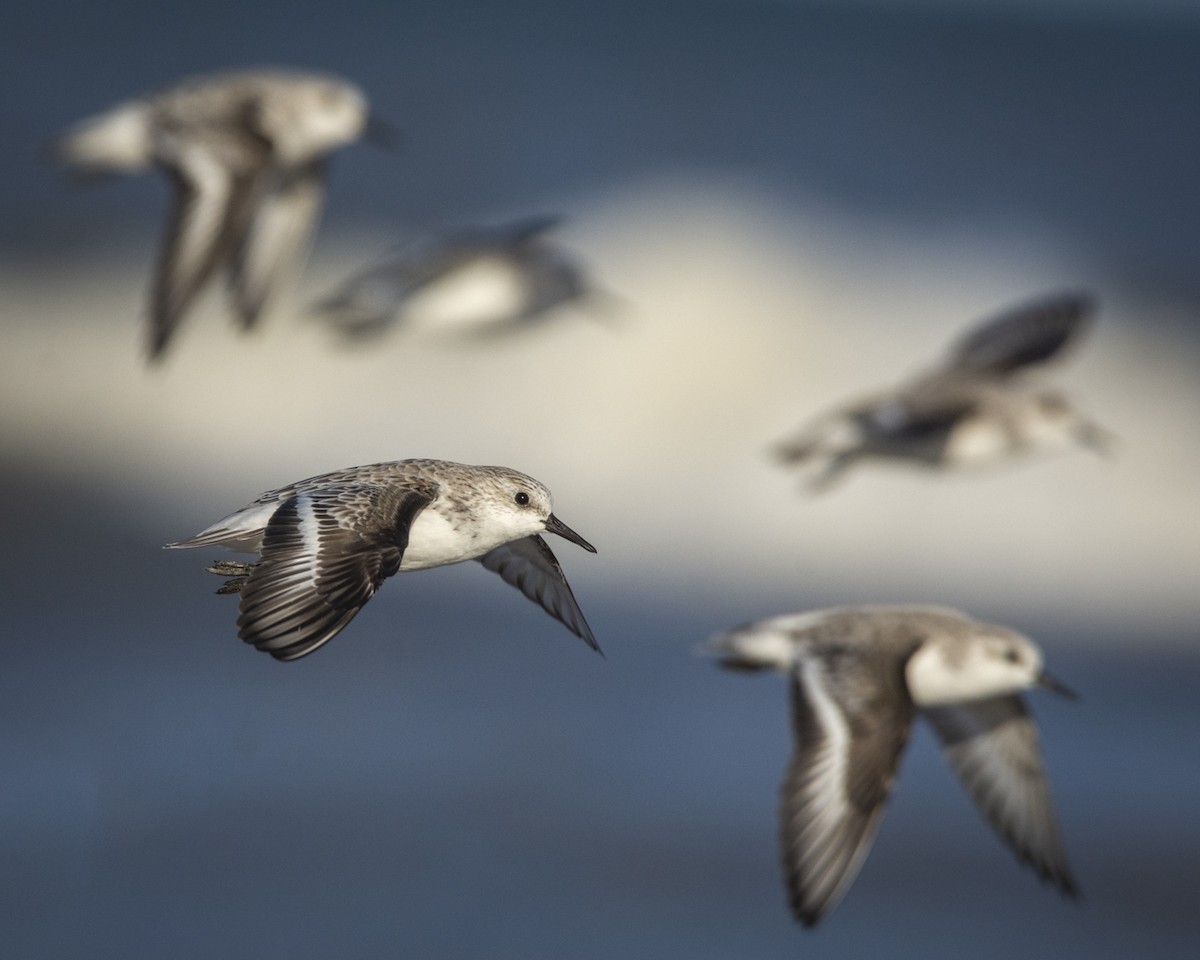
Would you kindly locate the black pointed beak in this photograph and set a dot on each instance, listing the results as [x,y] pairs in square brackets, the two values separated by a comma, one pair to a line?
[1047,681]
[382,133]
[554,525]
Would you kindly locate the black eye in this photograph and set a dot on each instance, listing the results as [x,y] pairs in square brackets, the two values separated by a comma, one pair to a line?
[1012,656]
[522,498]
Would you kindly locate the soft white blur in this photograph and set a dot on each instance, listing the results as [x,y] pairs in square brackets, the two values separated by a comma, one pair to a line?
[740,315]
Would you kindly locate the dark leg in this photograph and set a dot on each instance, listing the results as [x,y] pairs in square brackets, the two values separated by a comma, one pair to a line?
[237,571]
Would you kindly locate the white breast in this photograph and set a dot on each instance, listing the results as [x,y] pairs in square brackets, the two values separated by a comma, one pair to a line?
[434,541]
[978,441]
[486,290]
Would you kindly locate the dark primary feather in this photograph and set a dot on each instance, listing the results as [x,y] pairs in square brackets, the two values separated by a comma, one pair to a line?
[529,565]
[1029,334]
[993,747]
[294,599]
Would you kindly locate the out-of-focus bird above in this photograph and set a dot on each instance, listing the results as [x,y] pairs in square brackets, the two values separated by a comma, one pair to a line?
[246,155]
[326,544]
[478,281]
[979,407]
[859,676]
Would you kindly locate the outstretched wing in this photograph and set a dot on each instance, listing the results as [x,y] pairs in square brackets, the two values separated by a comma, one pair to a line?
[1029,334]
[529,565]
[321,562]
[993,747]
[278,241]
[211,210]
[834,791]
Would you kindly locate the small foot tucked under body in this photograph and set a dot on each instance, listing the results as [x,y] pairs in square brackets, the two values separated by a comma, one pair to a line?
[237,571]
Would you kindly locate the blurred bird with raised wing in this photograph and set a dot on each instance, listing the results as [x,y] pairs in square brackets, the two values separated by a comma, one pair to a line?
[977,408]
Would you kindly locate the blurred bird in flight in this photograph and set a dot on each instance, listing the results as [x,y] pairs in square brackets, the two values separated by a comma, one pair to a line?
[478,281]
[246,155]
[978,407]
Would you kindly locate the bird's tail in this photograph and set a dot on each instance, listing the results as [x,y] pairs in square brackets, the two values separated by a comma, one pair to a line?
[117,141]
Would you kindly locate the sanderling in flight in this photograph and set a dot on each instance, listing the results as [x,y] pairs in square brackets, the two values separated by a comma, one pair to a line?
[858,677]
[246,153]
[478,281]
[975,409]
[328,542]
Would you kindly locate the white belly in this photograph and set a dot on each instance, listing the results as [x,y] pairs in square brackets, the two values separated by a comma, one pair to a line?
[433,541]
[978,442]
[487,290]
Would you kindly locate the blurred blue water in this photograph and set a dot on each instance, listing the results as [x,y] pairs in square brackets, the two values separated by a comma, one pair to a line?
[456,776]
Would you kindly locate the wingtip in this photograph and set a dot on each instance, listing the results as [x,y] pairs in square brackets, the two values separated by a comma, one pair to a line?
[283,656]
[1064,883]
[1060,877]
[157,350]
[808,917]
[585,634]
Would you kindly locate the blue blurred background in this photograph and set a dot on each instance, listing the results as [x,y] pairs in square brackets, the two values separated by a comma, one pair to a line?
[795,202]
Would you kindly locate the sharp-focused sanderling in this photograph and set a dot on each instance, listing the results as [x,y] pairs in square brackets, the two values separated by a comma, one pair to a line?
[975,409]
[245,151]
[858,677]
[327,543]
[478,281]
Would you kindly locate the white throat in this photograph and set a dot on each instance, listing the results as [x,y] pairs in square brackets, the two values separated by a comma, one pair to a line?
[933,681]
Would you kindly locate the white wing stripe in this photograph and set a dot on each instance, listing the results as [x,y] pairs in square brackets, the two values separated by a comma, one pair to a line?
[827,774]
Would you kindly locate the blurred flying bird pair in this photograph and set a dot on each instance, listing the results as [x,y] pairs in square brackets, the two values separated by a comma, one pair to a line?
[246,153]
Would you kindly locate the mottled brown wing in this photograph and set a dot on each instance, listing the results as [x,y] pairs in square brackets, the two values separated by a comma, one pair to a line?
[993,747]
[325,552]
[848,744]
